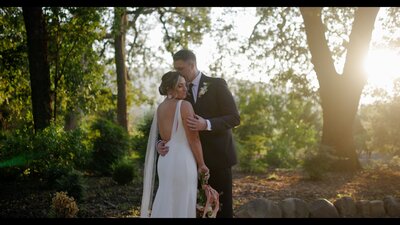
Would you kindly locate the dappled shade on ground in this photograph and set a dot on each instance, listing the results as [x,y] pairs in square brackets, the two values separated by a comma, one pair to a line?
[106,199]
[280,184]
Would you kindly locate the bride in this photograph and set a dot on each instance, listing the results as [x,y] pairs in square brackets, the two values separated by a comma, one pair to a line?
[178,170]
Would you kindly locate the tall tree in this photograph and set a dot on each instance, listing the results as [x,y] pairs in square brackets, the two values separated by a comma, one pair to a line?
[181,26]
[120,27]
[340,93]
[38,66]
[75,70]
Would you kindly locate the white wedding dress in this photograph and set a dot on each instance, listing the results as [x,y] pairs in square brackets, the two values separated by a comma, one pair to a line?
[177,175]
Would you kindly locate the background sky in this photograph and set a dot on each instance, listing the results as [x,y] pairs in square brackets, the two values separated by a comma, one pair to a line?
[381,65]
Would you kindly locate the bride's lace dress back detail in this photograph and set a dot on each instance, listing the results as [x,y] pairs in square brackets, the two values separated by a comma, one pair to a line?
[177,174]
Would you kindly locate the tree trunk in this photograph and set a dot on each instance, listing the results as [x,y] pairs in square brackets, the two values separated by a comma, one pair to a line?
[38,66]
[340,94]
[120,23]
[71,118]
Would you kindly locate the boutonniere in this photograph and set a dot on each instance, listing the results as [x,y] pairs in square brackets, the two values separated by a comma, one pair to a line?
[203,89]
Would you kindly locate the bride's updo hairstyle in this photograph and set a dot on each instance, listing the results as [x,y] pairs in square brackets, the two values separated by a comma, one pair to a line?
[168,82]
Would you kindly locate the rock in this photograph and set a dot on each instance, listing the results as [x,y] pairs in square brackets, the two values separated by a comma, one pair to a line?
[322,208]
[346,207]
[392,206]
[363,209]
[377,209]
[259,208]
[294,208]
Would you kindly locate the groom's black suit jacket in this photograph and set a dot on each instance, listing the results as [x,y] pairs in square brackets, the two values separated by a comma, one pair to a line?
[218,106]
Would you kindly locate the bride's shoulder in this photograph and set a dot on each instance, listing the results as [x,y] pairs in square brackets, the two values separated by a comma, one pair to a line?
[160,107]
[186,106]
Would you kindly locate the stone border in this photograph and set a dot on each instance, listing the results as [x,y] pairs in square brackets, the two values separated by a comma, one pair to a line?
[344,207]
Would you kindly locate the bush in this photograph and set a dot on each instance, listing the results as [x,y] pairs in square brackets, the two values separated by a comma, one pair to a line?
[249,157]
[317,163]
[55,147]
[15,152]
[124,172]
[139,141]
[77,144]
[73,183]
[110,144]
[54,173]
[9,173]
[63,206]
[37,154]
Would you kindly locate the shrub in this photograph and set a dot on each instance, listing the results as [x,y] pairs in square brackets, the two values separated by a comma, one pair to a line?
[54,173]
[110,144]
[55,147]
[37,154]
[249,159]
[9,173]
[63,206]
[73,183]
[124,172]
[139,141]
[15,152]
[317,163]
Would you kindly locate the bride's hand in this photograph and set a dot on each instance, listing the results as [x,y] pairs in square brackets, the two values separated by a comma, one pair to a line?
[203,169]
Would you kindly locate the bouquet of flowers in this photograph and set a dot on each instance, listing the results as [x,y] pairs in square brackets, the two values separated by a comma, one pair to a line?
[207,199]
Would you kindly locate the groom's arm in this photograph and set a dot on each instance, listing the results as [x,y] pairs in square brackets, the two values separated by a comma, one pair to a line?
[227,108]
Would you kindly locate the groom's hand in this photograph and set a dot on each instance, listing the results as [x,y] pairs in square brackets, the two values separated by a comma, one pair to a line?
[196,123]
[162,149]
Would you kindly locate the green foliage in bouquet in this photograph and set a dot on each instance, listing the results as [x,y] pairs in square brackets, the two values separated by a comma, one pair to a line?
[202,199]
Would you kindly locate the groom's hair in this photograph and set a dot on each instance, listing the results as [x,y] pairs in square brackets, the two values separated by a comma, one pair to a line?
[185,55]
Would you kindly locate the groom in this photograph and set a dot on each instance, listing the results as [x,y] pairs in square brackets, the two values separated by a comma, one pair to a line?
[216,115]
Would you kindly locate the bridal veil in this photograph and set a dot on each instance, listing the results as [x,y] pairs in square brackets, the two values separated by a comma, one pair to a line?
[149,170]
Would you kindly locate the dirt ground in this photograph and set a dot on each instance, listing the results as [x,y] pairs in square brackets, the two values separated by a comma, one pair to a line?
[278,185]
[106,199]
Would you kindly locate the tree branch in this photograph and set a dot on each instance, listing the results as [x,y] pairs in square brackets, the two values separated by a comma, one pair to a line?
[360,38]
[254,29]
[321,56]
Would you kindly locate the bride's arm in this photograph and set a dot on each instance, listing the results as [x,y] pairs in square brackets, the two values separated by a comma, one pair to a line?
[193,137]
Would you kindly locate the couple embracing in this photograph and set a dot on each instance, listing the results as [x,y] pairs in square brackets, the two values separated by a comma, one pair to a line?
[191,135]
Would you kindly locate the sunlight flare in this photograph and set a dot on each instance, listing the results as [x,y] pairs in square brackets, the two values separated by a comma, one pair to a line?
[382,67]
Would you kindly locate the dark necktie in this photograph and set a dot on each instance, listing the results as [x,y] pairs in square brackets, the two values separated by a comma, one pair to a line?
[190,93]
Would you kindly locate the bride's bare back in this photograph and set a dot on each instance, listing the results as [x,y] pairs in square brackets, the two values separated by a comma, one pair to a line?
[165,114]
[165,118]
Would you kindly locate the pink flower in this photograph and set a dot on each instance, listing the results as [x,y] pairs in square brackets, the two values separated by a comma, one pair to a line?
[207,200]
